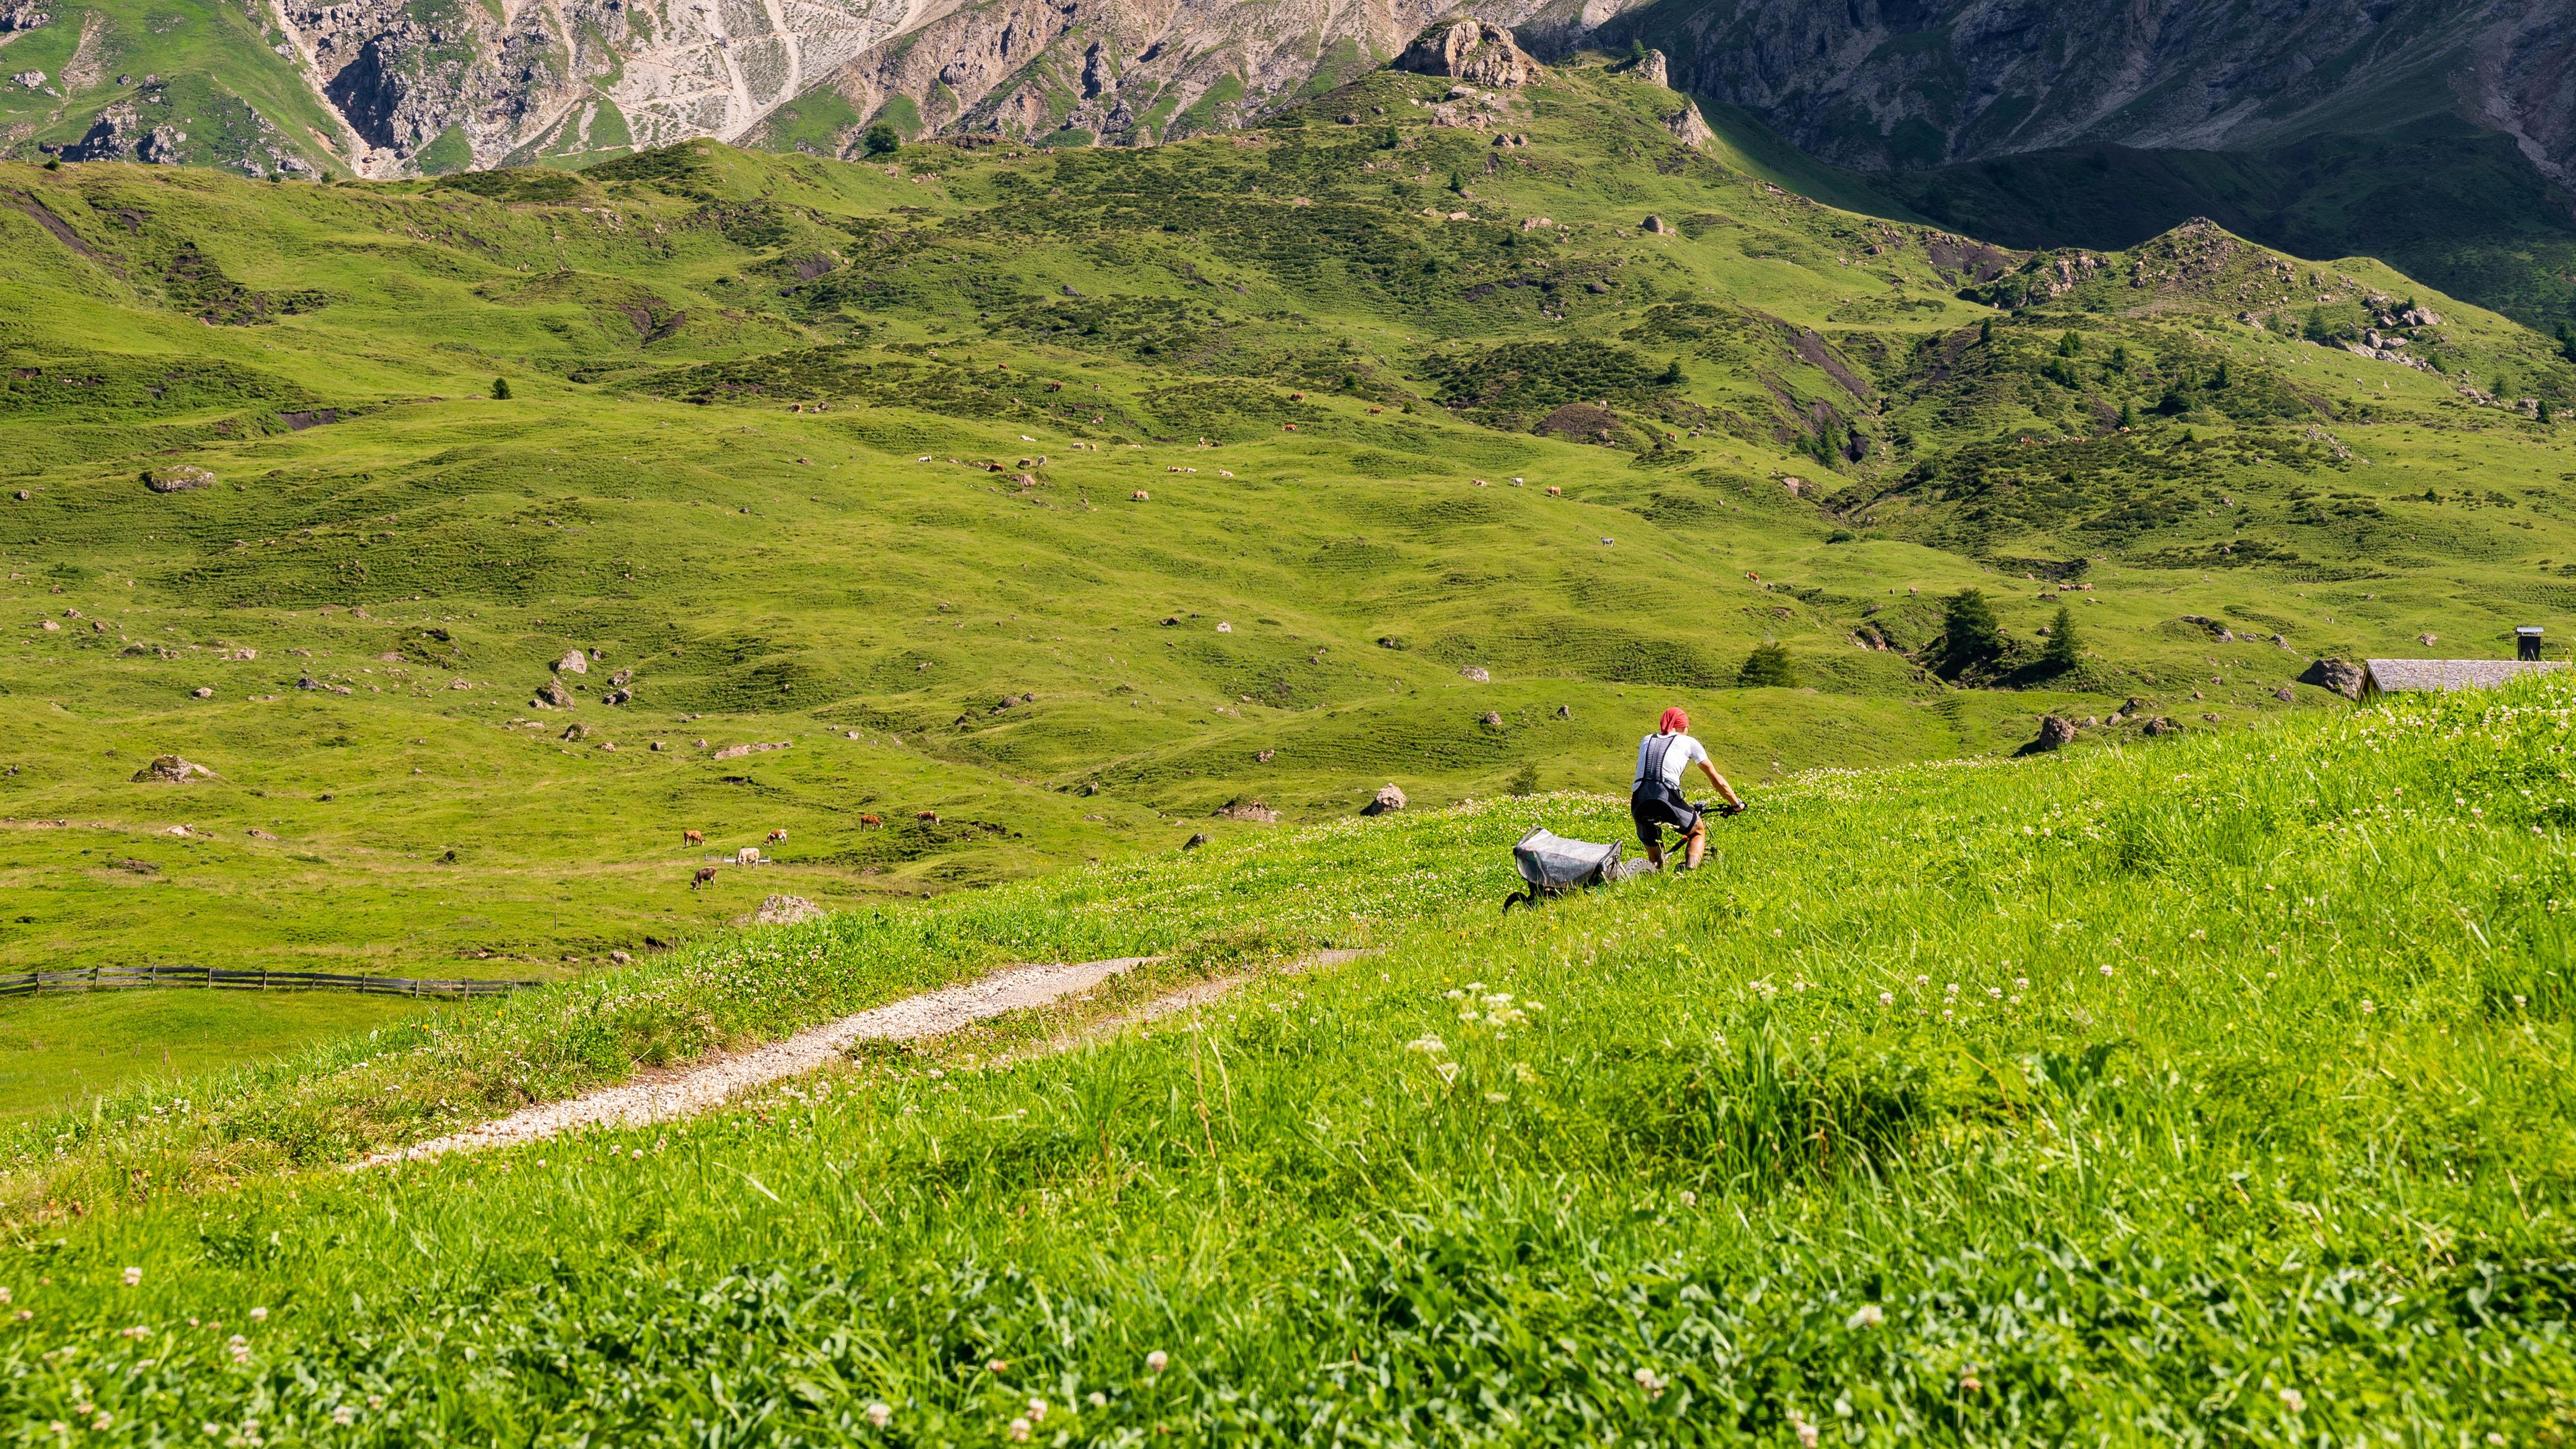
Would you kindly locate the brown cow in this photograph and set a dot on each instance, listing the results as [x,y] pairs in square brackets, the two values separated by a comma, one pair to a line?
[692,837]
[871,820]
[706,873]
[777,837]
[930,815]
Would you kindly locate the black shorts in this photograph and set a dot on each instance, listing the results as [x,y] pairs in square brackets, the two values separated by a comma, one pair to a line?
[1653,810]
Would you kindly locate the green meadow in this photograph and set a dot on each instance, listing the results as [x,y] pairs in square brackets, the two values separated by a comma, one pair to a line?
[1043,555]
[2207,1091]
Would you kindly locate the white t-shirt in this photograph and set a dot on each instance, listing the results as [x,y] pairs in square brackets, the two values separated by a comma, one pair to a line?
[1680,752]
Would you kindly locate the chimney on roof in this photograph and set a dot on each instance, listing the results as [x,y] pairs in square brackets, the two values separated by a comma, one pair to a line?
[2526,641]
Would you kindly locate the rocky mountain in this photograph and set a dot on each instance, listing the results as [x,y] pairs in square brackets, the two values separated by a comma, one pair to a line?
[2440,134]
[1880,84]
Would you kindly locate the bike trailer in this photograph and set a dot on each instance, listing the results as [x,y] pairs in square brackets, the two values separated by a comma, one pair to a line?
[1552,865]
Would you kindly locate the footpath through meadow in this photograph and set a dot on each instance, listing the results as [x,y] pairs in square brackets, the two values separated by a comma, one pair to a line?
[708,1084]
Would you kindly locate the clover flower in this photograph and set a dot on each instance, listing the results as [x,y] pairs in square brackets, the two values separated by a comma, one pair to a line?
[1887,998]
[1019,1431]
[1651,1382]
[344,1415]
[879,1415]
[259,1315]
[1868,1315]
[133,1277]
[1037,1410]
[2294,1401]
[1807,1433]
[1157,1361]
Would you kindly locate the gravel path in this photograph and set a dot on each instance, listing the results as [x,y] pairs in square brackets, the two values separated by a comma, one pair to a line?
[698,1088]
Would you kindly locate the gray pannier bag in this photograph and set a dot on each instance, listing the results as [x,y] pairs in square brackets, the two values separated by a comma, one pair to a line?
[1552,865]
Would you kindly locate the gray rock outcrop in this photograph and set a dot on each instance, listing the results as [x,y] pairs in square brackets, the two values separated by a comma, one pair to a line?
[1472,51]
[1387,798]
[2340,675]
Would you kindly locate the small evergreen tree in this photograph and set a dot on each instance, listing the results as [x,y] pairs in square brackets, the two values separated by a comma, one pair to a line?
[501,389]
[1672,376]
[882,139]
[2119,359]
[2060,655]
[1969,634]
[2219,382]
[2544,410]
[2566,342]
[1768,667]
[1636,50]
[2069,344]
[2317,328]
[1985,329]
[2128,416]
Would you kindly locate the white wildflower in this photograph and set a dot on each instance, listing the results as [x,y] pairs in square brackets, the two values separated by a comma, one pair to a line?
[879,1415]
[1868,1315]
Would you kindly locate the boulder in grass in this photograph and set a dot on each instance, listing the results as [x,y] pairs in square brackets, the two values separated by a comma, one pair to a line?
[2056,732]
[573,662]
[2162,726]
[2340,675]
[1195,841]
[552,695]
[787,911]
[171,770]
[1252,811]
[1387,798]
[178,480]
[1477,673]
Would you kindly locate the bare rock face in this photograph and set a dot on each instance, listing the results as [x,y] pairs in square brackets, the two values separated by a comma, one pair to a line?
[1654,70]
[1472,51]
[2340,675]
[1388,798]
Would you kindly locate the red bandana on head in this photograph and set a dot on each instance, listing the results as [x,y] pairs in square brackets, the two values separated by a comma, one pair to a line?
[1674,722]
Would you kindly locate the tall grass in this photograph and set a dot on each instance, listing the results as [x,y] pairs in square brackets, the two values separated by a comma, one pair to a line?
[2213,1092]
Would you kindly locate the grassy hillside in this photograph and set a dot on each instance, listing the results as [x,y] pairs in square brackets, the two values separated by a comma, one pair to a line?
[2208,1091]
[1455,471]
[196,84]
[2453,206]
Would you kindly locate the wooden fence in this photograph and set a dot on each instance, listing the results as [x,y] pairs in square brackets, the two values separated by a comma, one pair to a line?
[120,978]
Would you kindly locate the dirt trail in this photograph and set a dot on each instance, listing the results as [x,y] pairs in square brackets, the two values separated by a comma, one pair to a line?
[695,1089]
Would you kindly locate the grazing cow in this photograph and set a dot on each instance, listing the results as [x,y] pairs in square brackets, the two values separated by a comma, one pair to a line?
[929,815]
[706,873]
[1555,492]
[777,837]
[748,855]
[871,820]
[693,837]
